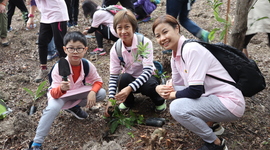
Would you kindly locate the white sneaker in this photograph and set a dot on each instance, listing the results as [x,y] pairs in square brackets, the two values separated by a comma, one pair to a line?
[217,128]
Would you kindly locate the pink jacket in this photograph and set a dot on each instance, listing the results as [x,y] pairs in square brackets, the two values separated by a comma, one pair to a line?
[52,10]
[199,62]
[131,67]
[78,86]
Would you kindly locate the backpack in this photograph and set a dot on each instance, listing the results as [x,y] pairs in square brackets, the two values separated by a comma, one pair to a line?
[86,70]
[140,38]
[244,71]
[113,9]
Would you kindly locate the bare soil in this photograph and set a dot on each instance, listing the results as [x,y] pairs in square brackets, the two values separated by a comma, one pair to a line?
[19,64]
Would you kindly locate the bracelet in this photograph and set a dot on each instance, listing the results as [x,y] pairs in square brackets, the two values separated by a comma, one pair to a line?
[3,4]
[30,15]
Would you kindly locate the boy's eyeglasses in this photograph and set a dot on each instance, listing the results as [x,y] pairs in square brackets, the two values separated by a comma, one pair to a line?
[72,50]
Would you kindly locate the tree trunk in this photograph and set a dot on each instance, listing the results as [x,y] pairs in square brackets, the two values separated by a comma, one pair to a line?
[240,23]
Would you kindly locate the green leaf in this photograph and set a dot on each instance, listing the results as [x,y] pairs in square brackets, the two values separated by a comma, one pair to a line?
[140,119]
[211,35]
[29,91]
[40,94]
[142,51]
[131,134]
[262,18]
[41,87]
[217,5]
[114,126]
[41,90]
[113,101]
[222,34]
[221,20]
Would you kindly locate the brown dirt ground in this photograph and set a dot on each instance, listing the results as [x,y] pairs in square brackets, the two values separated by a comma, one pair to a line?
[19,63]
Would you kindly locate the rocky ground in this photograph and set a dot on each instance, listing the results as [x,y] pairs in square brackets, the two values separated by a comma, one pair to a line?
[19,63]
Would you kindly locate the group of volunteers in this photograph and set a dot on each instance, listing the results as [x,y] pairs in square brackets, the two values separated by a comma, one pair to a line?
[197,101]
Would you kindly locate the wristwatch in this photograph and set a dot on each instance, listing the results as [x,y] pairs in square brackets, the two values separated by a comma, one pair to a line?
[30,15]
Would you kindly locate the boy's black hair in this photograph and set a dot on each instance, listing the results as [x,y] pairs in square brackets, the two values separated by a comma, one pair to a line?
[89,8]
[75,36]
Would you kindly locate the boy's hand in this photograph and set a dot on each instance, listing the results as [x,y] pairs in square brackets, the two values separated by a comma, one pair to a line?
[123,94]
[91,99]
[65,85]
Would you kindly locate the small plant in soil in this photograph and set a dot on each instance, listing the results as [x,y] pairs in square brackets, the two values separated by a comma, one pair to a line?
[141,51]
[40,91]
[161,76]
[119,118]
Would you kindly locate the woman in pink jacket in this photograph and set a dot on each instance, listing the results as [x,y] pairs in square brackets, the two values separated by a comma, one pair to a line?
[197,99]
[136,74]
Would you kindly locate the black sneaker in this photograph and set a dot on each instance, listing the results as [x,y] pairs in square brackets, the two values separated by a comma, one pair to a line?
[212,146]
[77,112]
[217,129]
[34,147]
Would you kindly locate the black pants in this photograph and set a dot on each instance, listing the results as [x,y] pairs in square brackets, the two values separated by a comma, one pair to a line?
[125,3]
[46,32]
[104,32]
[148,89]
[12,4]
[249,37]
[73,10]
[140,12]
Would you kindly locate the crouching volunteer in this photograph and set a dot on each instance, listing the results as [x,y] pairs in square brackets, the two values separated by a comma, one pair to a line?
[197,99]
[73,94]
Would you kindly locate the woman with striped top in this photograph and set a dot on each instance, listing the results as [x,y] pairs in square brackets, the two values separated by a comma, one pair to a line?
[136,74]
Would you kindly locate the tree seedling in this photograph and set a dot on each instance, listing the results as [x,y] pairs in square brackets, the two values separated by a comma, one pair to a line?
[161,76]
[226,24]
[142,51]
[40,91]
[118,118]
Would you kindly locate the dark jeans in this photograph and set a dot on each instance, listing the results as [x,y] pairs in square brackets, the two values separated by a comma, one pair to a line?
[125,3]
[179,8]
[104,32]
[73,10]
[12,4]
[46,32]
[148,89]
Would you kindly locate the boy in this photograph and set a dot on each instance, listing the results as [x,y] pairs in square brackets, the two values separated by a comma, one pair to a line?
[71,94]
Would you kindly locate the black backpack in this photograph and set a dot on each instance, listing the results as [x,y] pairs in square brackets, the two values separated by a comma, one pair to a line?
[86,70]
[140,38]
[244,71]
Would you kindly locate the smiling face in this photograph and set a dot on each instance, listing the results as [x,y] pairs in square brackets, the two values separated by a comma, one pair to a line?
[167,36]
[75,52]
[125,32]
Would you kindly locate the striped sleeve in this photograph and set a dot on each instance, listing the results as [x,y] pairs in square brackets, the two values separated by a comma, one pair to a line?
[147,72]
[113,85]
